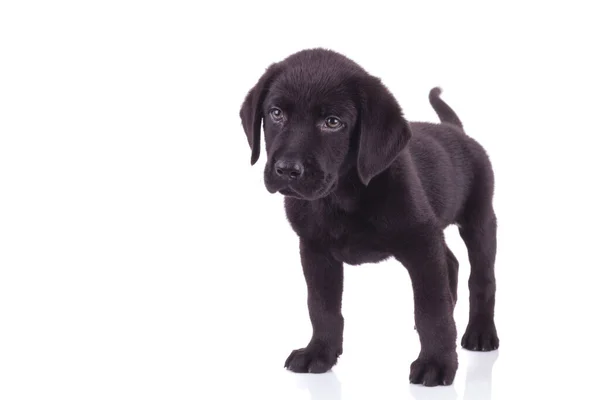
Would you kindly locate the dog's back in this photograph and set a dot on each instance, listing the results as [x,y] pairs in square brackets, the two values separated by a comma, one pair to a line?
[451,165]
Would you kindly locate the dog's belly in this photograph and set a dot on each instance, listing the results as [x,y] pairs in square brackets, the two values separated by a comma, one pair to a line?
[355,255]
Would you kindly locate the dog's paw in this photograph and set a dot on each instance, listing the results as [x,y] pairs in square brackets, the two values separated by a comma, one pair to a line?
[480,335]
[434,371]
[314,359]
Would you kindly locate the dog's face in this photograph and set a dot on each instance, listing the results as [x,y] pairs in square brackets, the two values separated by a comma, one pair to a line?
[309,116]
[323,117]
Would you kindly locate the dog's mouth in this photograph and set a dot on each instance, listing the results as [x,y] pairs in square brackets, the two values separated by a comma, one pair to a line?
[287,191]
[299,192]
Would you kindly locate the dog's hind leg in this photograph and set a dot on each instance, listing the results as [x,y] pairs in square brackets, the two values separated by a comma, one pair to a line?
[452,273]
[479,234]
[452,276]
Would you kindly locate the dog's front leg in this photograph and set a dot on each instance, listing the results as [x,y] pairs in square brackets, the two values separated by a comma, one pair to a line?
[324,280]
[425,259]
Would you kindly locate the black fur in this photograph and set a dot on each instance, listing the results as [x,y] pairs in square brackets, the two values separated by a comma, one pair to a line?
[375,186]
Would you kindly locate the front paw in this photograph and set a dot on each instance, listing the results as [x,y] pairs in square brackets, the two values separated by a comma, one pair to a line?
[434,371]
[314,358]
[480,335]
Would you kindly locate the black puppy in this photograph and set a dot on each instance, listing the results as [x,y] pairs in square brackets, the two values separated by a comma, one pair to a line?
[362,184]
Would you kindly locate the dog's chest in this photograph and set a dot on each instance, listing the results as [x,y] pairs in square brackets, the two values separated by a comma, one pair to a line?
[355,241]
[353,238]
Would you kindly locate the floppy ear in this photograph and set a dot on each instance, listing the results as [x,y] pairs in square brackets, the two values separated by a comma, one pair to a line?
[251,112]
[383,130]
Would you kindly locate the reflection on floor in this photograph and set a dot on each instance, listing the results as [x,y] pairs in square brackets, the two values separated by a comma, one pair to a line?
[478,382]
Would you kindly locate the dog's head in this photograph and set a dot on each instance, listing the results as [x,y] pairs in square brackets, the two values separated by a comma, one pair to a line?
[323,117]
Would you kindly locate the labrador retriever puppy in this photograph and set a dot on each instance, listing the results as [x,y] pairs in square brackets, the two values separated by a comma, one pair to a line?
[362,184]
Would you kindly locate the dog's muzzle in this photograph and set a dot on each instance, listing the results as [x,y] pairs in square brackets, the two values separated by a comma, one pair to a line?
[292,177]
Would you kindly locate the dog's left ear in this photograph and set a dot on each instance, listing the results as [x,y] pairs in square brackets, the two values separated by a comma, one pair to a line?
[383,130]
[251,112]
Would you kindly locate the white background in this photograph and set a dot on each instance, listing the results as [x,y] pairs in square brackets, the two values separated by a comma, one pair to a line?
[142,257]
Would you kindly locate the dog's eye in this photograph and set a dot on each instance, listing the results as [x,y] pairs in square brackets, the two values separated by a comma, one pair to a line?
[333,122]
[276,113]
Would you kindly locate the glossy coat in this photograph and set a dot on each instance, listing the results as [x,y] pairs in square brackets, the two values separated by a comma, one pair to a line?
[375,187]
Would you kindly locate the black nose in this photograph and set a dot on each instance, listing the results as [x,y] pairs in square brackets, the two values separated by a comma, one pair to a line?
[288,169]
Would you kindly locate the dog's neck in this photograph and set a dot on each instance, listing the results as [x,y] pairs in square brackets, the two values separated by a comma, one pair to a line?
[350,192]
[352,195]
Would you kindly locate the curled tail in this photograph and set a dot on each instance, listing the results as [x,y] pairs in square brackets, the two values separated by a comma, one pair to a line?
[442,109]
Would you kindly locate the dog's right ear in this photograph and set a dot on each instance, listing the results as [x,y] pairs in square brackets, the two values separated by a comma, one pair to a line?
[251,112]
